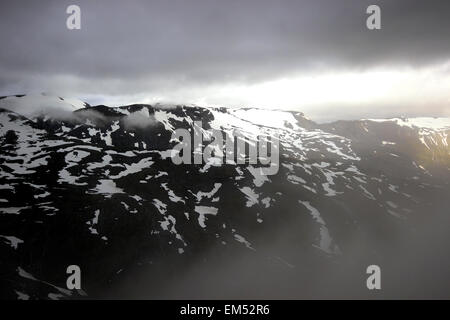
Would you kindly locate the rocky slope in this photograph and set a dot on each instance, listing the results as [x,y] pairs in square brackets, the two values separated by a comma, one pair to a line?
[95,186]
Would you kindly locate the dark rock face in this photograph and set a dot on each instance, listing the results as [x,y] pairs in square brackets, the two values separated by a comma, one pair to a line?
[100,190]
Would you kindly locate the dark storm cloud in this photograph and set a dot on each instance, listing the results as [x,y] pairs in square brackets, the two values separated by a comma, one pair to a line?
[129,47]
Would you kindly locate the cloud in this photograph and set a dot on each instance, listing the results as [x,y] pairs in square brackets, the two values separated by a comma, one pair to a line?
[35,104]
[151,48]
[139,120]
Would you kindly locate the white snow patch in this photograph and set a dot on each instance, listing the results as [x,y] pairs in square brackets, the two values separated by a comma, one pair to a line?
[12,210]
[258,176]
[107,187]
[326,242]
[12,241]
[241,239]
[202,211]
[200,194]
[252,197]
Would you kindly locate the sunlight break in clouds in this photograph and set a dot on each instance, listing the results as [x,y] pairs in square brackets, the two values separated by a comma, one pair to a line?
[324,96]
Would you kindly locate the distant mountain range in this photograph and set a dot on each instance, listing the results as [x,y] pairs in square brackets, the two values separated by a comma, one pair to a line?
[95,186]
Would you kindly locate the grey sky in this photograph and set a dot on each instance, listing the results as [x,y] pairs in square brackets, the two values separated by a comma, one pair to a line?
[185,50]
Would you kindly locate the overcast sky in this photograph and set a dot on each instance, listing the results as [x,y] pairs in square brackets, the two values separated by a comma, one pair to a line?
[315,56]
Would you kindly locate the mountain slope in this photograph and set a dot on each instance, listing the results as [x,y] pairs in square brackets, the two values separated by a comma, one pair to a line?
[97,188]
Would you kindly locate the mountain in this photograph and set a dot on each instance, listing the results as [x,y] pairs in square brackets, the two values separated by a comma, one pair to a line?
[96,186]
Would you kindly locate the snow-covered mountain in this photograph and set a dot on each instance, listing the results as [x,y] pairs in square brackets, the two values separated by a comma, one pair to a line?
[95,186]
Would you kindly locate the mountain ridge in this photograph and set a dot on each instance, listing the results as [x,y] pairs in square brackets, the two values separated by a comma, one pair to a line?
[98,188]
